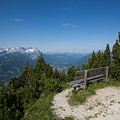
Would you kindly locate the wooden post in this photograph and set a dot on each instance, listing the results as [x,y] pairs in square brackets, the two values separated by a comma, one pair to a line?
[107,70]
[85,79]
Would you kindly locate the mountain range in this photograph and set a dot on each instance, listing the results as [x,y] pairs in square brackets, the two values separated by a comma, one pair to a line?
[32,52]
[12,60]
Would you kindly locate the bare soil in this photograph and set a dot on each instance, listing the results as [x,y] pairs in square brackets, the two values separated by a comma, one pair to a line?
[105,105]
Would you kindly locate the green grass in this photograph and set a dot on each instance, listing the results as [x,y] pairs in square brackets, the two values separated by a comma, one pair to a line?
[41,110]
[79,97]
[65,86]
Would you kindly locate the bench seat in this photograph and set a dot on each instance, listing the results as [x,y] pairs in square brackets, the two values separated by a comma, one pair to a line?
[78,83]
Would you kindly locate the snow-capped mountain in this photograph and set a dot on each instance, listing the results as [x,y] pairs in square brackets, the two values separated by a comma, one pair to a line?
[33,52]
[12,60]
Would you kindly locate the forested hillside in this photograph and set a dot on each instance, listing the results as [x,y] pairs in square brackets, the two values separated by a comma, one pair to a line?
[23,92]
[12,60]
[11,65]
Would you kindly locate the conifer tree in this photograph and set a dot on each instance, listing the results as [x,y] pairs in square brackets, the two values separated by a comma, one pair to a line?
[106,56]
[78,68]
[84,67]
[23,78]
[119,36]
[99,59]
[40,66]
[56,74]
[116,61]
[48,71]
[92,61]
[71,73]
[39,70]
[2,102]
[63,76]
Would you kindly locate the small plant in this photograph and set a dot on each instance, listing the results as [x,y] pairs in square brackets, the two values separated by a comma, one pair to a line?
[90,108]
[104,116]
[88,117]
[113,101]
[80,97]
[69,94]
[118,102]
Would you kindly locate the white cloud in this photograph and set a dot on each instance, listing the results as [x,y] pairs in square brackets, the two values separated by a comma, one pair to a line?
[68,9]
[70,25]
[18,20]
[66,25]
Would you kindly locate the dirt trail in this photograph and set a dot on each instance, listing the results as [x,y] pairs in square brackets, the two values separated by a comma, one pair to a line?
[105,105]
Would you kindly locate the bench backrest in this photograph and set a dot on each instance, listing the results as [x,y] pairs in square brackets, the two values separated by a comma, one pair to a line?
[91,73]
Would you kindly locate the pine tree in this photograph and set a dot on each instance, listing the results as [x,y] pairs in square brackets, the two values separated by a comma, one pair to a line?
[71,73]
[40,66]
[23,78]
[106,56]
[48,71]
[116,61]
[78,68]
[92,61]
[84,67]
[53,85]
[56,74]
[39,70]
[119,36]
[2,100]
[63,76]
[99,59]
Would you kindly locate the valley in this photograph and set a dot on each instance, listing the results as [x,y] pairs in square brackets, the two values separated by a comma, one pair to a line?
[12,60]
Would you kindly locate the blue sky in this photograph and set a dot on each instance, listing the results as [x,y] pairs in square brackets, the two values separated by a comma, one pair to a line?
[59,25]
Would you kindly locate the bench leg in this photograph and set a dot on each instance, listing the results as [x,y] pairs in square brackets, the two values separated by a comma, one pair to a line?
[83,87]
[98,81]
[74,88]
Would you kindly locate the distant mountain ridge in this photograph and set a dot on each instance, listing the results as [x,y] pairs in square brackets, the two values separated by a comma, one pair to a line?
[83,60]
[12,60]
[33,52]
[63,60]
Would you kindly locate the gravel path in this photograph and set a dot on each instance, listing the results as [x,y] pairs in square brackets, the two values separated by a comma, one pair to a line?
[105,105]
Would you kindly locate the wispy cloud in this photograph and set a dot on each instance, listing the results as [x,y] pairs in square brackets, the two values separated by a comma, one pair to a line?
[66,25]
[70,25]
[18,20]
[68,9]
[75,26]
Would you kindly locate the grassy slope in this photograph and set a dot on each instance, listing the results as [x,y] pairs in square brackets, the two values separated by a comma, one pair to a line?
[79,97]
[41,110]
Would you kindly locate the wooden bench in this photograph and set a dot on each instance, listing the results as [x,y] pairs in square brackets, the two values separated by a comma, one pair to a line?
[82,78]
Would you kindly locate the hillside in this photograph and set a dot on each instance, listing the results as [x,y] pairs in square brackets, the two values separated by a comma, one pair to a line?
[82,60]
[12,60]
[96,105]
[63,60]
[11,65]
[30,95]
